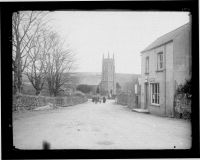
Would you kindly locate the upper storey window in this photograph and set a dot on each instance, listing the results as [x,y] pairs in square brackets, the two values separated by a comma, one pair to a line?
[160,61]
[147,65]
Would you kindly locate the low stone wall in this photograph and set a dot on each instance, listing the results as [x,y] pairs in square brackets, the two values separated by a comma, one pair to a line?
[29,102]
[134,101]
[131,100]
[122,99]
[182,106]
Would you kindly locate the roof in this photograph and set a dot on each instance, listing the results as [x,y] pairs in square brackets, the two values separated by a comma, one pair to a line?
[166,37]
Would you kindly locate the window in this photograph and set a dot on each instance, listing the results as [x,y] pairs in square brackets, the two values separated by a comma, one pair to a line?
[160,61]
[155,93]
[147,65]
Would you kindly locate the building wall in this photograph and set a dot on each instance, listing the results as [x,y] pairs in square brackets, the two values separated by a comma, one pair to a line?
[142,79]
[170,85]
[177,64]
[182,57]
[155,76]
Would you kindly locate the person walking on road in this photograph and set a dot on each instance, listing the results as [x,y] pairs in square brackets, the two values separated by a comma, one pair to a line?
[104,99]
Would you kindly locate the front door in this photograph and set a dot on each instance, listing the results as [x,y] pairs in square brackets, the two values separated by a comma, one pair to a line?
[136,100]
[146,95]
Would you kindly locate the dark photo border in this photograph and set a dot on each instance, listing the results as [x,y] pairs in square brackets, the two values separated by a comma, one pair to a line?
[6,10]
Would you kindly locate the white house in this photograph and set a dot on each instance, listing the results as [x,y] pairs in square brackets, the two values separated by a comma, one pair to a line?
[166,63]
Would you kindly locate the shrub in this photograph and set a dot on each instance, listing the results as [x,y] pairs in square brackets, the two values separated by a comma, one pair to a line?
[185,89]
[84,88]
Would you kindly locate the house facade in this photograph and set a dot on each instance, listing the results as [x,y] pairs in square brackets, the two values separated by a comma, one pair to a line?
[166,63]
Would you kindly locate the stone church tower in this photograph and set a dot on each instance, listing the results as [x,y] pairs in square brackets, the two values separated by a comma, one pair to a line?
[107,85]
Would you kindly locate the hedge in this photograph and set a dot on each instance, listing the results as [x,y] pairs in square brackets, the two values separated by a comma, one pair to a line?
[182,106]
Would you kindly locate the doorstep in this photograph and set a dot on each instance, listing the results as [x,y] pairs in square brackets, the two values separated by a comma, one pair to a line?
[140,110]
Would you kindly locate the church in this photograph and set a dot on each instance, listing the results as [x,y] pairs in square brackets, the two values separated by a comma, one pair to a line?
[107,84]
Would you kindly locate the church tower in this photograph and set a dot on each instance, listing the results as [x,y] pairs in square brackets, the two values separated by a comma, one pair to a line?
[108,76]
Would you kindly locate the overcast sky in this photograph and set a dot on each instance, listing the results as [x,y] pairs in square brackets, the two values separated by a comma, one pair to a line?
[126,34]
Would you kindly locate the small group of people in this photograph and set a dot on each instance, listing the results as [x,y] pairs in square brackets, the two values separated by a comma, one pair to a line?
[97,99]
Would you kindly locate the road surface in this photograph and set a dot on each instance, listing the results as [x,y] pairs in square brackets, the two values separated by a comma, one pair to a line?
[99,126]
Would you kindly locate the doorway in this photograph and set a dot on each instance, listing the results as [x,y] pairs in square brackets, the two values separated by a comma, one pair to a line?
[146,95]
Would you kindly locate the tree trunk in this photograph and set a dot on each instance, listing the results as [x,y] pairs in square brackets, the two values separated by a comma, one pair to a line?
[18,72]
[15,83]
[55,93]
[37,92]
[19,82]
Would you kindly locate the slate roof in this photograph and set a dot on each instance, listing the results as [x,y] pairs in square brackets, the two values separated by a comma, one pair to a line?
[166,37]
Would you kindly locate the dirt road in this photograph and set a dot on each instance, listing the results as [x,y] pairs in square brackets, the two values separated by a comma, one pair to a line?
[99,126]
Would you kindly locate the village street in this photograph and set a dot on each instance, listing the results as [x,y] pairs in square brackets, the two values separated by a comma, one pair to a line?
[99,126]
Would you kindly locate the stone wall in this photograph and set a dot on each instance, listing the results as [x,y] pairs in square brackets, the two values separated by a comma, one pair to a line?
[131,100]
[134,101]
[30,102]
[122,98]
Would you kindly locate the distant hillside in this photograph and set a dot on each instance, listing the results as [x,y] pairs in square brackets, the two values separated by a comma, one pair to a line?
[94,78]
[90,78]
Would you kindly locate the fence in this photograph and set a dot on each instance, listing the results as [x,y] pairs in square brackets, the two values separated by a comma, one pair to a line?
[182,106]
[29,102]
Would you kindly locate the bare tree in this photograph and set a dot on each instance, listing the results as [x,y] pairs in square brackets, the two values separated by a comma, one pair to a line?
[59,63]
[118,88]
[25,25]
[37,69]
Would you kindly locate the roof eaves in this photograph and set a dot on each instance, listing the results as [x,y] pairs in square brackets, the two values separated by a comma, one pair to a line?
[148,49]
[156,46]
